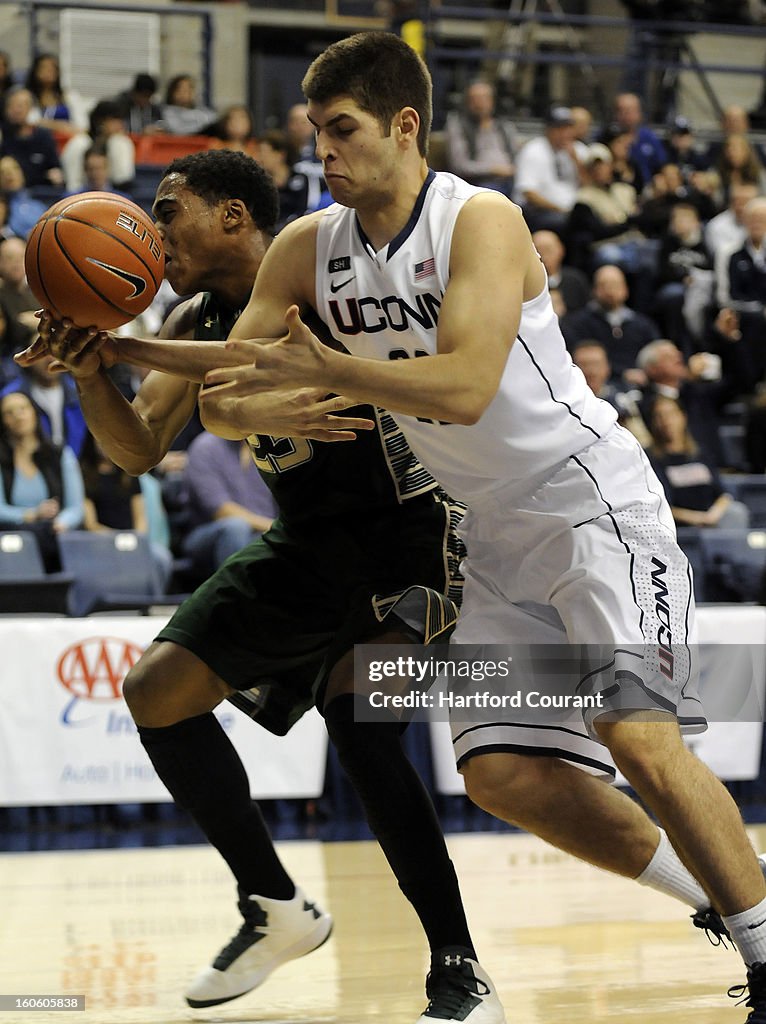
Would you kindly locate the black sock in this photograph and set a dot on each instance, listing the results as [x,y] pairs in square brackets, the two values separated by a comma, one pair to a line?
[402,817]
[204,774]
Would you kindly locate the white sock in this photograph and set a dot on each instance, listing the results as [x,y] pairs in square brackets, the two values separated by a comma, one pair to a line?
[667,874]
[748,930]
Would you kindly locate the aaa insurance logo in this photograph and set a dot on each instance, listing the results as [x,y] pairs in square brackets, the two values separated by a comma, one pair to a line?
[93,670]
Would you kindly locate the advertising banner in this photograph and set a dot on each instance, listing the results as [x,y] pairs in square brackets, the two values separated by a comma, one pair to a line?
[66,735]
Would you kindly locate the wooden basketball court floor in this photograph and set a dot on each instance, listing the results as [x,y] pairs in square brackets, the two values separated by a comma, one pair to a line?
[563,942]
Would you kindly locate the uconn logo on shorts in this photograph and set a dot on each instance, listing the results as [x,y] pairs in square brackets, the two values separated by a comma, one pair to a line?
[662,611]
[370,315]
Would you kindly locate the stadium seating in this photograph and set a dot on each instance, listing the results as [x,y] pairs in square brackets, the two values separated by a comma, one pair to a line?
[750,489]
[735,563]
[112,572]
[731,437]
[160,149]
[24,585]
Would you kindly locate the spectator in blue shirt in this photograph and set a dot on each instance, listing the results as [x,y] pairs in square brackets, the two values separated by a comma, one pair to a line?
[647,151]
[41,486]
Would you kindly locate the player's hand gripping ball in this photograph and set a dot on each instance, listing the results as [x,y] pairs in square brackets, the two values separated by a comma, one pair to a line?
[95,259]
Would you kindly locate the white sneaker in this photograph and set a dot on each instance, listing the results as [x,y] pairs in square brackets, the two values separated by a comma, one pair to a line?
[459,990]
[274,932]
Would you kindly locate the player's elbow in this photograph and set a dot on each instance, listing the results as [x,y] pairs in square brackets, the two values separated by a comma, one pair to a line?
[471,406]
[135,464]
[212,420]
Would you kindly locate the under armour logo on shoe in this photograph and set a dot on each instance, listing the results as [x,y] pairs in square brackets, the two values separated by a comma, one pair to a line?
[312,907]
[453,961]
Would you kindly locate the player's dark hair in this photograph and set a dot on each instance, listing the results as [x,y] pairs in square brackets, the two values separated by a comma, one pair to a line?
[218,175]
[381,74]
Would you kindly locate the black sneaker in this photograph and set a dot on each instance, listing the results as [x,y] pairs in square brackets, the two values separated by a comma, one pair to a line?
[458,989]
[755,989]
[710,922]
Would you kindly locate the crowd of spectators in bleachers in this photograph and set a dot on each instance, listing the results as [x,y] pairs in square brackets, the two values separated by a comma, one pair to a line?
[655,247]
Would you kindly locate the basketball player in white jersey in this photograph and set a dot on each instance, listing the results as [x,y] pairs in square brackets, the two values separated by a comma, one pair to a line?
[569,536]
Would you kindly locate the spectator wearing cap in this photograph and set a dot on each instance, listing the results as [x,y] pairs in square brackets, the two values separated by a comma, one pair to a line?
[601,227]
[682,148]
[107,133]
[141,114]
[647,151]
[481,147]
[548,174]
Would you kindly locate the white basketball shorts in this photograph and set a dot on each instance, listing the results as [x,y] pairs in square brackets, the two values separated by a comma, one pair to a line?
[587,556]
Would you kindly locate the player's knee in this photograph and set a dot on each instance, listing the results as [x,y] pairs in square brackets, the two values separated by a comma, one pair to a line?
[139,690]
[508,786]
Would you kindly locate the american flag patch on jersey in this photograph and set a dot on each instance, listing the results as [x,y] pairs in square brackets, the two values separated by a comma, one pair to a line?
[425,269]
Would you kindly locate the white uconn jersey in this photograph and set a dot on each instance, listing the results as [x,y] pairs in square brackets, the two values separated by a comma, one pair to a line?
[385,305]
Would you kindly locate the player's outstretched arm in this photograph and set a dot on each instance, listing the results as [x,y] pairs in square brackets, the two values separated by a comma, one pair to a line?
[490,258]
[234,409]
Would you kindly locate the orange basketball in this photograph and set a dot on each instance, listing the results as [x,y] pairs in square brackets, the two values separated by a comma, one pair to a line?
[96,259]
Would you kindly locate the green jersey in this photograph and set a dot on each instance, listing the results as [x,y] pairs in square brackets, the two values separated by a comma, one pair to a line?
[313,479]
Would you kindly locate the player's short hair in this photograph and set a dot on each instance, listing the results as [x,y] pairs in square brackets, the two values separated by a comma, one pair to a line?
[381,74]
[223,174]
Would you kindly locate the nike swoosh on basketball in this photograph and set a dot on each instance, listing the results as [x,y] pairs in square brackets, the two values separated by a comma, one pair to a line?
[138,283]
[337,287]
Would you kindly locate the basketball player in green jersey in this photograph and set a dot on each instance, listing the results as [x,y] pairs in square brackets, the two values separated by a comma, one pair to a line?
[362,531]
